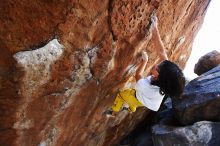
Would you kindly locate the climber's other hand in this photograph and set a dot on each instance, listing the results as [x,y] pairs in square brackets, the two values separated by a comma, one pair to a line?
[154,24]
[154,20]
[144,56]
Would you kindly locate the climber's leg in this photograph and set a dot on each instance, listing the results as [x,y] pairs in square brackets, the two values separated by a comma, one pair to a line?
[130,98]
[132,108]
[117,103]
[126,96]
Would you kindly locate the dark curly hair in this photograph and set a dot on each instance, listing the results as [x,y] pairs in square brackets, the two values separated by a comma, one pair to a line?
[170,80]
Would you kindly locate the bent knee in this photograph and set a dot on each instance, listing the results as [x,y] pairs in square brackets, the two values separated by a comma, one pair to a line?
[115,108]
[132,109]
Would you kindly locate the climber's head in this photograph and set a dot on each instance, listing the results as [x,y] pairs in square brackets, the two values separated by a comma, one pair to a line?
[170,79]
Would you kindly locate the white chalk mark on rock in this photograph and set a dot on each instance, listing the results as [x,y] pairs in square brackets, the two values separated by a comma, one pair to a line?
[37,64]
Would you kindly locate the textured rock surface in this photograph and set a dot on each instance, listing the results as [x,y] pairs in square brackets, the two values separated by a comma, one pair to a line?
[202,133]
[200,100]
[207,62]
[60,100]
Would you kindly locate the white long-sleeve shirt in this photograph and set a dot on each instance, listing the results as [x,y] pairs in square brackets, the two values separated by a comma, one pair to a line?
[148,94]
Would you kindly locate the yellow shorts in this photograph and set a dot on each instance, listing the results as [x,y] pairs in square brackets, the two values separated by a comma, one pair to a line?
[128,97]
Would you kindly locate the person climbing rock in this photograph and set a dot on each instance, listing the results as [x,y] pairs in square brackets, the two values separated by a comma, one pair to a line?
[165,78]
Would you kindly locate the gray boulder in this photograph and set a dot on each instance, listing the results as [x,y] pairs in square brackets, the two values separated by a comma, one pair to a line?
[200,100]
[202,133]
[207,62]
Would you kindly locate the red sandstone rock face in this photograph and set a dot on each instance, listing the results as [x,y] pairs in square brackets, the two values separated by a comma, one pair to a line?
[58,99]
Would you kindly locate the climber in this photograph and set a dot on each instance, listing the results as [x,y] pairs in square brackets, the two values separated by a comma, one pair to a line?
[165,78]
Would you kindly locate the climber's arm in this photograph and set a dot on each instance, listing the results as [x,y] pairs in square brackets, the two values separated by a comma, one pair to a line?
[142,66]
[156,39]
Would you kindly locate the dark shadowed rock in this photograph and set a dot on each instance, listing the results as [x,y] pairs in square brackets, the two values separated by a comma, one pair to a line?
[165,114]
[200,100]
[202,133]
[141,135]
[207,62]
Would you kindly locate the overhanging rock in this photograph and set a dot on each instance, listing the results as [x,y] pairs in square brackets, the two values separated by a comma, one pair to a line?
[200,100]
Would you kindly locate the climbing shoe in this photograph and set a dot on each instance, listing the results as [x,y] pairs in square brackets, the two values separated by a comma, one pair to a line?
[109,113]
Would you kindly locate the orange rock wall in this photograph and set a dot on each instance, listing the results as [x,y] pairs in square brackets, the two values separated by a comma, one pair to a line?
[60,100]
